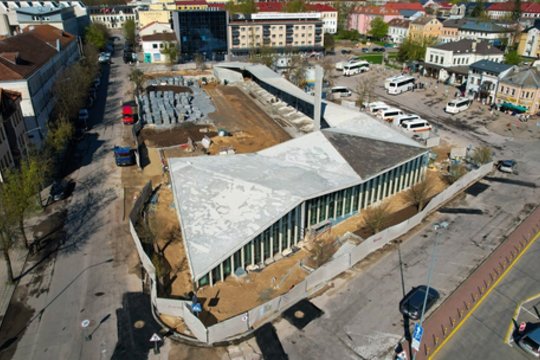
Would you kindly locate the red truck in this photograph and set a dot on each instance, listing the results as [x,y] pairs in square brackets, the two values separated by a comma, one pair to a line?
[128,115]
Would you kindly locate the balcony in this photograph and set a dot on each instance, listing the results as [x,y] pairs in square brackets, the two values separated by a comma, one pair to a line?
[235,33]
[266,41]
[236,42]
[266,32]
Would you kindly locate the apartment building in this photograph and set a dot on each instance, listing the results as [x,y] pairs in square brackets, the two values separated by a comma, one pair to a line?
[30,63]
[398,30]
[278,31]
[521,87]
[425,27]
[114,16]
[529,41]
[12,130]
[329,15]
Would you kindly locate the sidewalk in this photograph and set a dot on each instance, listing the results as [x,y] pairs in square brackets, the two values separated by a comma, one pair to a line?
[455,310]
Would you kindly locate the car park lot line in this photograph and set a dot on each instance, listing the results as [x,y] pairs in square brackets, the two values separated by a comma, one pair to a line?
[484,296]
[508,338]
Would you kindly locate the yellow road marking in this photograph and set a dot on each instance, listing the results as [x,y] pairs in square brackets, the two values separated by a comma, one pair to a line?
[516,314]
[503,275]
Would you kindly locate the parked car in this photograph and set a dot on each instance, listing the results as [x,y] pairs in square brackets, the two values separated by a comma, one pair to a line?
[345,51]
[508,166]
[330,52]
[378,49]
[60,190]
[411,305]
[124,156]
[128,114]
[104,58]
[365,50]
[527,336]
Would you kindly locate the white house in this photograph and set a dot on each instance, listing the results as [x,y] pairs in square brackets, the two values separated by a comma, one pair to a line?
[155,28]
[398,30]
[30,63]
[483,79]
[450,61]
[152,46]
[113,16]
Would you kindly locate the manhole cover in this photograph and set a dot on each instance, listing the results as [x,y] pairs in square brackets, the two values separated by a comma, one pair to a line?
[139,324]
[299,314]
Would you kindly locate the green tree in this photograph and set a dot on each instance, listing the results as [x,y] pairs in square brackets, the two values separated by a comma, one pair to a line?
[512,57]
[379,29]
[137,78]
[295,6]
[482,155]
[329,42]
[97,35]
[413,50]
[7,240]
[60,134]
[479,9]
[170,50]
[516,12]
[129,31]
[19,189]
[71,90]
[242,7]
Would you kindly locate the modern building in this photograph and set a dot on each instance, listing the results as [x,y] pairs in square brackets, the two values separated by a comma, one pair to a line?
[30,63]
[529,41]
[398,30]
[521,87]
[248,210]
[112,16]
[70,16]
[360,18]
[425,28]
[329,15]
[12,130]
[281,32]
[503,10]
[450,61]
[483,79]
[153,45]
[201,33]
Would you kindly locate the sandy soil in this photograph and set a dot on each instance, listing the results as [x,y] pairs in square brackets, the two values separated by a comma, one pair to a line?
[175,136]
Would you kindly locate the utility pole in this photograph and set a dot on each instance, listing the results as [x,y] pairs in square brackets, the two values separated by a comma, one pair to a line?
[436,227]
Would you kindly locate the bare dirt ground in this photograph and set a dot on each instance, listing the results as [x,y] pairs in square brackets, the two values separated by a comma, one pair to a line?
[176,136]
[507,125]
[252,129]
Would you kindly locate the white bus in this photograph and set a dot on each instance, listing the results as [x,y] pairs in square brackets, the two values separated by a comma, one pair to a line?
[374,107]
[355,67]
[401,85]
[416,125]
[398,120]
[389,114]
[341,91]
[341,64]
[391,79]
[457,105]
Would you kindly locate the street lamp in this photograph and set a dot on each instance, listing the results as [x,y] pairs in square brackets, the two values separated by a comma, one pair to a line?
[441,225]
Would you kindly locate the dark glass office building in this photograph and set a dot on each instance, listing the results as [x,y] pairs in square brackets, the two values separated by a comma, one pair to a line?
[201,32]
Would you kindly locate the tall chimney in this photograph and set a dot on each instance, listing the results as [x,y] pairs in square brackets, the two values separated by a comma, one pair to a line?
[317,102]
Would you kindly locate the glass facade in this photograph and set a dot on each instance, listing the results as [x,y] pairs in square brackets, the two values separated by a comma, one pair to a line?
[201,32]
[333,207]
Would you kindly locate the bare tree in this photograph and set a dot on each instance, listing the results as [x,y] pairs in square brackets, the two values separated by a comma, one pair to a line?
[376,217]
[482,155]
[455,171]
[321,251]
[419,193]
[297,71]
[365,87]
[137,78]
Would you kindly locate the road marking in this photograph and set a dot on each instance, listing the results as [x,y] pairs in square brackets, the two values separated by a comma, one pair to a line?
[508,337]
[481,300]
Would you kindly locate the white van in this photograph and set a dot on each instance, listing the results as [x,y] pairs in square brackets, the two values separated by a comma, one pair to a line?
[458,105]
[416,126]
[401,85]
[376,106]
[391,79]
[341,91]
[389,114]
[355,67]
[398,120]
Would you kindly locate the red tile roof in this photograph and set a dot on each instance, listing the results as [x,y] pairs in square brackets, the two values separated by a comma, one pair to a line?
[404,6]
[375,10]
[152,23]
[509,6]
[274,6]
[23,54]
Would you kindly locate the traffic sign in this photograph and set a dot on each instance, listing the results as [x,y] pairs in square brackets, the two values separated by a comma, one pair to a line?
[196,308]
[417,336]
[155,338]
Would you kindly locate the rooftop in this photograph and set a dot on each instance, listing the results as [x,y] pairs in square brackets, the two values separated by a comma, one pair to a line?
[402,23]
[423,20]
[466,46]
[525,78]
[224,202]
[274,6]
[23,54]
[404,6]
[159,37]
[483,26]
[529,7]
[375,10]
[490,66]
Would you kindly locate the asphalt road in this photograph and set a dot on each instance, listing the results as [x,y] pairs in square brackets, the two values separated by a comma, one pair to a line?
[88,277]
[483,335]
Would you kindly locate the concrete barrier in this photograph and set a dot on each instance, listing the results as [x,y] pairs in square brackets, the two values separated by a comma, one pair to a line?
[195,325]
[228,328]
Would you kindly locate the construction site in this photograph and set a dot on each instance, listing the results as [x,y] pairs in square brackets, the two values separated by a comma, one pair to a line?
[247,120]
